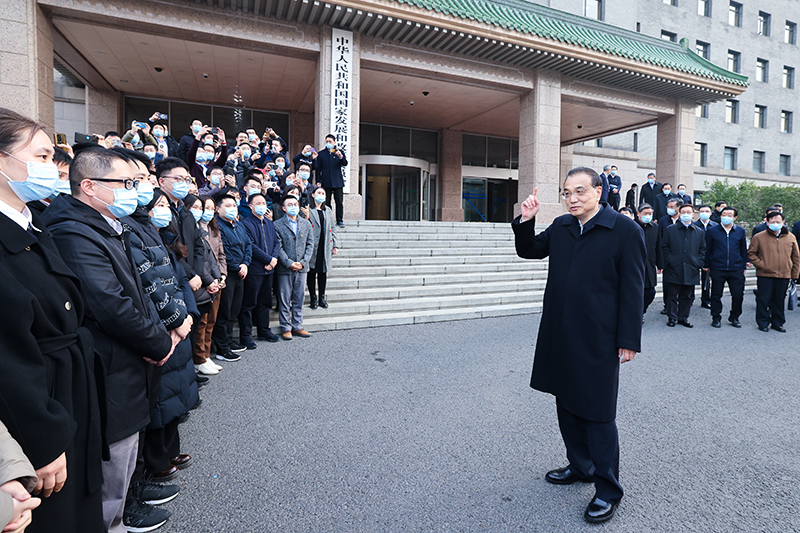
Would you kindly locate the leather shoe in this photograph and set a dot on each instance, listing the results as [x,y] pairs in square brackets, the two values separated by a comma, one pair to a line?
[565,476]
[685,323]
[671,323]
[705,305]
[286,335]
[779,328]
[166,474]
[182,461]
[716,323]
[599,511]
[735,322]
[314,303]
[664,311]
[765,329]
[323,301]
[301,332]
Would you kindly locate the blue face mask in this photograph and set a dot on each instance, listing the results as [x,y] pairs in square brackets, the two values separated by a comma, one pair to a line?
[161,217]
[705,216]
[135,139]
[646,219]
[303,175]
[41,182]
[281,165]
[671,212]
[260,210]
[180,190]
[252,136]
[319,199]
[207,215]
[329,146]
[253,190]
[289,181]
[726,221]
[686,218]
[651,181]
[158,134]
[271,173]
[246,154]
[196,129]
[151,155]
[231,213]
[238,203]
[63,187]
[776,227]
[201,157]
[208,143]
[292,210]
[307,154]
[215,179]
[667,192]
[197,214]
[144,192]
[125,201]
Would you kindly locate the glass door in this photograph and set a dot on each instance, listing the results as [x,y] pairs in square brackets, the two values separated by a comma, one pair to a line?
[406,193]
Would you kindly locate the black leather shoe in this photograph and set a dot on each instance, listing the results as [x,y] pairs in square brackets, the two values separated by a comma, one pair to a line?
[706,305]
[685,323]
[779,328]
[671,323]
[765,329]
[565,476]
[735,322]
[599,511]
[663,311]
[314,303]
[323,301]
[716,323]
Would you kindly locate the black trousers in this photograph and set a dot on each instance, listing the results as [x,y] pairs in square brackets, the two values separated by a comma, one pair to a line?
[679,301]
[649,296]
[705,287]
[256,303]
[613,201]
[230,304]
[161,446]
[337,194]
[770,300]
[311,281]
[592,449]
[735,281]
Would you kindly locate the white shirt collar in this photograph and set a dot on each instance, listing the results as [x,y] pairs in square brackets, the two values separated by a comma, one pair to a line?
[115,224]
[23,218]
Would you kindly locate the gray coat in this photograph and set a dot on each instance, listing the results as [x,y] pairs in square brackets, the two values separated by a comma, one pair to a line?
[13,466]
[330,241]
[293,248]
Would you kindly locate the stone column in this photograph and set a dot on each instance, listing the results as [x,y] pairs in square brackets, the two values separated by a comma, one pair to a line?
[450,206]
[540,145]
[26,60]
[675,146]
[103,110]
[322,115]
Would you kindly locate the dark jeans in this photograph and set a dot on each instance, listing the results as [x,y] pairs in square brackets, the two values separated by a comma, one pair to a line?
[592,449]
[336,194]
[735,280]
[649,296]
[679,301]
[230,303]
[705,287]
[770,301]
[311,281]
[256,303]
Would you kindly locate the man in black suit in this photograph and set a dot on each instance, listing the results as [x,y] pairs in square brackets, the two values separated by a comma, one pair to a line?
[670,218]
[684,248]
[650,190]
[718,207]
[705,223]
[683,195]
[328,165]
[604,176]
[662,199]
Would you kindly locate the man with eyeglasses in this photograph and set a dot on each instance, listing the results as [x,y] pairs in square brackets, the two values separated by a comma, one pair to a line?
[125,326]
[591,321]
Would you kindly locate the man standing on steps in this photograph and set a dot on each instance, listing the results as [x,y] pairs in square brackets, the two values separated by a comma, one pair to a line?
[596,269]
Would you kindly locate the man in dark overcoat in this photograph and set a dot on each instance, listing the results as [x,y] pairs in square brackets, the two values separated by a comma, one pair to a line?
[652,245]
[684,249]
[596,269]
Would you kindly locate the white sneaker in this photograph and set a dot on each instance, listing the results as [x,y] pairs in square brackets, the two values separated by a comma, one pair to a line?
[215,365]
[206,368]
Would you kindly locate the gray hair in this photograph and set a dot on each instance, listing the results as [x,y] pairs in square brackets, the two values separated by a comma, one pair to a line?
[607,167]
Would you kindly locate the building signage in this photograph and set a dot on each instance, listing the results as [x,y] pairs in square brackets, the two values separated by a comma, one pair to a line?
[342,93]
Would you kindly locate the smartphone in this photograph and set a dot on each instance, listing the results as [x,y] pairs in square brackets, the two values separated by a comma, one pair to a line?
[141,125]
[215,130]
[163,116]
[59,138]
[272,166]
[85,138]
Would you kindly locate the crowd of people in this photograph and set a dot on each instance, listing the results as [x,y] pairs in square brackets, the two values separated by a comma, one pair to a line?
[128,262]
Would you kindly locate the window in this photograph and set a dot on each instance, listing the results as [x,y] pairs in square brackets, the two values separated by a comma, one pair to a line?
[701,111]
[785,167]
[704,8]
[593,9]
[638,27]
[735,14]
[788,77]
[700,154]
[762,70]
[732,111]
[761,117]
[790,33]
[670,2]
[703,49]
[734,61]
[669,36]
[635,142]
[730,158]
[492,152]
[758,162]
[786,121]
[764,20]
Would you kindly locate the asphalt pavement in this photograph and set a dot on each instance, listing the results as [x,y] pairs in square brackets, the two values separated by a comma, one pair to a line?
[434,428]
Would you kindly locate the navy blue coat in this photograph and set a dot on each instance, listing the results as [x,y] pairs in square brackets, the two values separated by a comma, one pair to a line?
[238,248]
[648,194]
[699,224]
[614,182]
[726,251]
[265,244]
[684,249]
[604,193]
[660,207]
[655,259]
[328,169]
[599,273]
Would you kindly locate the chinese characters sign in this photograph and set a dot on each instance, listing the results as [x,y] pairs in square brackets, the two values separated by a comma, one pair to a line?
[342,92]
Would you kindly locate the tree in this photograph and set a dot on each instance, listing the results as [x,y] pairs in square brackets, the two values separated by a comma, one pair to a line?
[753,200]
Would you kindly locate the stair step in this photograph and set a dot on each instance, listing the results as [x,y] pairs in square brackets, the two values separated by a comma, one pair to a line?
[433,291]
[423,252]
[340,262]
[424,270]
[340,282]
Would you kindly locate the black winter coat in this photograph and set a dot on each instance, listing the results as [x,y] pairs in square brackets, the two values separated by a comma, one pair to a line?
[660,208]
[190,237]
[328,169]
[655,259]
[648,194]
[49,384]
[124,323]
[684,249]
[592,307]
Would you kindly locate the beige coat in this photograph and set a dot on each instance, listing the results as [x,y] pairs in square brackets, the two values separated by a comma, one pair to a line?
[13,466]
[775,257]
[331,241]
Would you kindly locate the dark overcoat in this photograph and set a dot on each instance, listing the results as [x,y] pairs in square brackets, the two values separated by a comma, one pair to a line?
[684,249]
[328,169]
[48,388]
[655,259]
[592,307]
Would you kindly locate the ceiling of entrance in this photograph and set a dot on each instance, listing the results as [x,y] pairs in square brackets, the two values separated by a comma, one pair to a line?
[201,72]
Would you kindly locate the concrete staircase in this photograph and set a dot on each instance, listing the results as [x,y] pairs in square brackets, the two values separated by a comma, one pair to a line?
[396,273]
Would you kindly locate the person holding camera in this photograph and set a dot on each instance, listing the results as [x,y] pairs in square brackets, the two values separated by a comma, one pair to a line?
[329,167]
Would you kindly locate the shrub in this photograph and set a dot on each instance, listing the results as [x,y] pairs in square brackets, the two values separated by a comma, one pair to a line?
[752,200]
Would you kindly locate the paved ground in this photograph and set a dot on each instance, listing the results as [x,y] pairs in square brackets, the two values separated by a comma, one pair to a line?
[433,428]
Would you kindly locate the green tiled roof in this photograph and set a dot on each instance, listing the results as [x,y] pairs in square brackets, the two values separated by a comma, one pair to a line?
[534,19]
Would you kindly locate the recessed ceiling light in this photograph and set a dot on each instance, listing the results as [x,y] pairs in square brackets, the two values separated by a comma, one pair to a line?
[123,81]
[397,82]
[228,77]
[98,52]
[112,68]
[200,52]
[146,44]
[291,79]
[250,59]
[182,71]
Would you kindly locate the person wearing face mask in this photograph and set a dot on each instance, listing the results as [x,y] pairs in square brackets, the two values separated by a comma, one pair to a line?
[630,197]
[217,180]
[614,187]
[165,143]
[239,163]
[50,375]
[112,139]
[650,191]
[654,263]
[272,147]
[763,226]
[661,201]
[683,195]
[252,185]
[671,217]
[718,207]
[138,137]
[329,167]
[704,222]
[186,141]
[305,156]
[325,246]
[62,160]
[201,155]
[775,255]
[257,299]
[684,248]
[726,261]
[124,323]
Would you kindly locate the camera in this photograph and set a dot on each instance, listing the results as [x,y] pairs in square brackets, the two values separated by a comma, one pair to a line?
[215,130]
[205,75]
[425,93]
[158,69]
